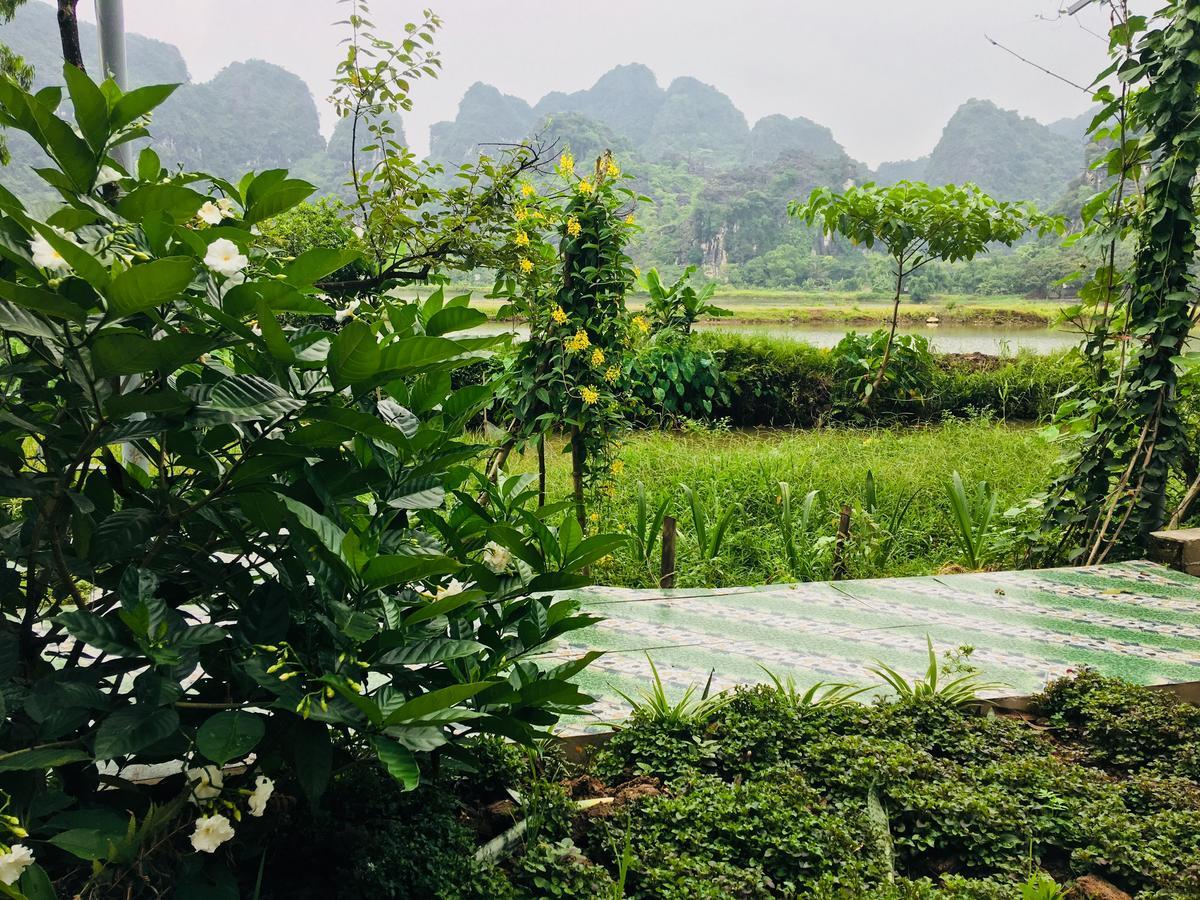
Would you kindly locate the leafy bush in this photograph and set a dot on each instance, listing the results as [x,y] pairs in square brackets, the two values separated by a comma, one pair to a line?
[235,535]
[310,226]
[673,378]
[776,825]
[907,381]
[1124,726]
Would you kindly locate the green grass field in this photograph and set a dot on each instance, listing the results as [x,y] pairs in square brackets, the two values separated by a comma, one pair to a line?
[746,467]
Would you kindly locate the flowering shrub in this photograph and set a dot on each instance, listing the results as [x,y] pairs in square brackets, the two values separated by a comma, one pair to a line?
[230,545]
[569,281]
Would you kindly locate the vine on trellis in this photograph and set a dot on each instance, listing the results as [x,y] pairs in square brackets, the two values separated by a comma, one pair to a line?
[1128,438]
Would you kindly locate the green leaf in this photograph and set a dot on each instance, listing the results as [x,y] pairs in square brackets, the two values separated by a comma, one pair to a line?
[454,318]
[434,701]
[150,284]
[40,758]
[178,202]
[85,843]
[354,354]
[22,321]
[312,752]
[251,397]
[411,355]
[279,199]
[102,633]
[91,109]
[326,531]
[313,265]
[430,650]
[229,735]
[134,728]
[398,760]
[42,301]
[383,571]
[139,102]
[128,353]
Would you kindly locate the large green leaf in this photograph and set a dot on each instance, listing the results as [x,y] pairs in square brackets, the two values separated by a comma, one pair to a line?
[313,265]
[398,760]
[40,758]
[230,734]
[22,321]
[134,728]
[129,353]
[91,109]
[139,102]
[437,649]
[177,201]
[251,397]
[410,355]
[401,569]
[454,318]
[330,535]
[149,285]
[354,354]
[45,302]
[434,701]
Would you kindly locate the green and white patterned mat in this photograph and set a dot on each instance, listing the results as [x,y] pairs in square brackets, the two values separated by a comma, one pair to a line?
[1137,620]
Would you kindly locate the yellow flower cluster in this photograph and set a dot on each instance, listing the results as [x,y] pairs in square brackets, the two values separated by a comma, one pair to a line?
[594,517]
[573,227]
[641,324]
[612,374]
[597,357]
[613,169]
[566,163]
[637,273]
[586,187]
[526,265]
[522,239]
[578,342]
[590,395]
[526,189]
[558,315]
[521,214]
[629,219]
[617,467]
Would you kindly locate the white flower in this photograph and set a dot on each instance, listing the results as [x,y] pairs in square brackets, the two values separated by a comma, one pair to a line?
[225,205]
[210,213]
[45,256]
[211,832]
[206,782]
[107,175]
[358,231]
[263,788]
[14,862]
[225,258]
[343,314]
[497,558]
[454,587]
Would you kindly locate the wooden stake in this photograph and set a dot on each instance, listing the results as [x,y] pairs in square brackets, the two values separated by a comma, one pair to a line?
[839,547]
[667,572]
[541,451]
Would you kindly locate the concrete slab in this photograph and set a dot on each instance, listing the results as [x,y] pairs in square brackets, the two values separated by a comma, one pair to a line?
[1137,620]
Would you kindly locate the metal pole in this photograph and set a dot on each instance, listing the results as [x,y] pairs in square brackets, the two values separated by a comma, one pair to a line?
[110,25]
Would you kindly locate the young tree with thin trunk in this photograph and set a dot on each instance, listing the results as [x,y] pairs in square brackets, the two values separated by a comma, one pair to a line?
[917,224]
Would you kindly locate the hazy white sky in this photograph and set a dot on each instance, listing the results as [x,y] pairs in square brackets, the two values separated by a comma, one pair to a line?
[883,74]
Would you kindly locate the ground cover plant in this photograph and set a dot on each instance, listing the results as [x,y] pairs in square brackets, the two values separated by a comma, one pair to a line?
[772,792]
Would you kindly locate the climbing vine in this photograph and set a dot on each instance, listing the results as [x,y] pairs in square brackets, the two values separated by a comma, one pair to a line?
[1128,438]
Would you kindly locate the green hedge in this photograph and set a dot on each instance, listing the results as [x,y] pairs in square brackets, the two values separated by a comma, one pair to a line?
[781,383]
[786,383]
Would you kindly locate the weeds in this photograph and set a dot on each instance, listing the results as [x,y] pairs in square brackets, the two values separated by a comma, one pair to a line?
[957,691]
[974,513]
[653,703]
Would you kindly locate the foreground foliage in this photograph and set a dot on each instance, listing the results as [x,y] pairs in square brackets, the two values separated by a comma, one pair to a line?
[774,793]
[232,531]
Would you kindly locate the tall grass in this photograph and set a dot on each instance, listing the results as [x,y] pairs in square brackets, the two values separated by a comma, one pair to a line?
[909,466]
